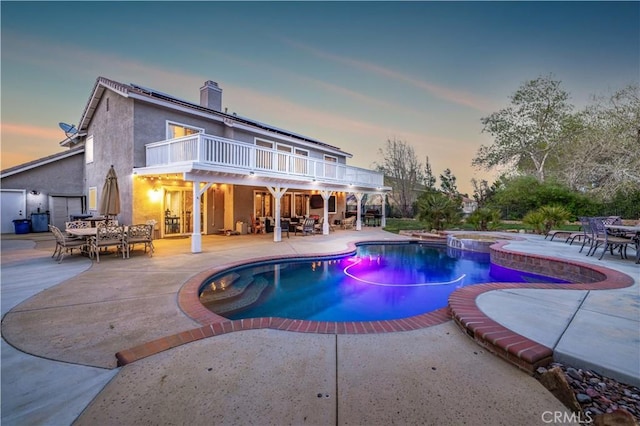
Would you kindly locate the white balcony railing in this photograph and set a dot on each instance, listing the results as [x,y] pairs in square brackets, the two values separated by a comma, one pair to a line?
[227,153]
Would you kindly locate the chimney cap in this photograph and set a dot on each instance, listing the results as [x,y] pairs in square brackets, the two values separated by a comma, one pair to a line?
[211,83]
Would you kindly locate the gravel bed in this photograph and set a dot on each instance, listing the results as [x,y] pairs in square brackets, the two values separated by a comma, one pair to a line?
[597,394]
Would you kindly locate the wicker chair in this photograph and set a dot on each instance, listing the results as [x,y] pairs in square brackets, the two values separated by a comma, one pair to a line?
[140,234]
[65,244]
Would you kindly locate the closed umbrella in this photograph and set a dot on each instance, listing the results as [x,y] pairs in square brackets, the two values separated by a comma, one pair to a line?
[110,201]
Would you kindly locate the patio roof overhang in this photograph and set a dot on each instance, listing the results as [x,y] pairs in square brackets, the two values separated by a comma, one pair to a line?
[193,171]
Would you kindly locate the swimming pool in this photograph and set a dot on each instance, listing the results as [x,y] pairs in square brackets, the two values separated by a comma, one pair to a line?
[381,281]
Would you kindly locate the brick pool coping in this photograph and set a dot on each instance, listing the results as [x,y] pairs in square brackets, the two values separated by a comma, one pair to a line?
[516,349]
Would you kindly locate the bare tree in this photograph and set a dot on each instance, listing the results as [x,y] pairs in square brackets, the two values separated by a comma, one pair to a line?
[530,130]
[404,173]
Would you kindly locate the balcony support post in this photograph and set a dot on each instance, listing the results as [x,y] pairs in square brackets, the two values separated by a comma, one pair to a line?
[196,236]
[277,193]
[325,221]
[359,196]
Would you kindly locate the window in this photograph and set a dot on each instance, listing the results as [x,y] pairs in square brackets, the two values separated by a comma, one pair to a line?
[264,154]
[88,149]
[93,198]
[300,165]
[283,159]
[177,130]
[330,170]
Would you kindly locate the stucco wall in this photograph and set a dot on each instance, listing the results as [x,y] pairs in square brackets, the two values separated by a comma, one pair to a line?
[112,130]
[61,177]
[150,126]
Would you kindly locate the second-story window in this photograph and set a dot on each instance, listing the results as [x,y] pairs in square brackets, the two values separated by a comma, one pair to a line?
[88,149]
[177,130]
[330,170]
[264,154]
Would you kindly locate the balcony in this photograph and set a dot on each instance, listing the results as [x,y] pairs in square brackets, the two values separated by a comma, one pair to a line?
[226,155]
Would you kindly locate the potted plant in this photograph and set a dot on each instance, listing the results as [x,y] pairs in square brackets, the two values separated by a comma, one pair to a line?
[21,225]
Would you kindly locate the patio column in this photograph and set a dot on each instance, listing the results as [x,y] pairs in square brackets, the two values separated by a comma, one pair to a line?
[196,236]
[277,194]
[359,196]
[383,219]
[325,221]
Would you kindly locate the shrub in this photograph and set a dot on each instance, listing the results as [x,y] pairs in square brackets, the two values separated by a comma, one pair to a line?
[439,211]
[546,217]
[484,219]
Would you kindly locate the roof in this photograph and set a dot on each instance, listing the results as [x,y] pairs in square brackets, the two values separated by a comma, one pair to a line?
[40,162]
[143,93]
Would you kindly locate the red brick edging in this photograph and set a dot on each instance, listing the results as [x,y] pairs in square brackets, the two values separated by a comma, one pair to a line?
[509,345]
[517,349]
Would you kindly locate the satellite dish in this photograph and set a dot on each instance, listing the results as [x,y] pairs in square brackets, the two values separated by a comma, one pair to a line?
[69,129]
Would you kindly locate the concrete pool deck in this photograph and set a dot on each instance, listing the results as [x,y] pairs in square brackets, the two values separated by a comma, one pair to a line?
[434,375]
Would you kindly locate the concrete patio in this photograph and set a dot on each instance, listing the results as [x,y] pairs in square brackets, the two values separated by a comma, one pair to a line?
[63,323]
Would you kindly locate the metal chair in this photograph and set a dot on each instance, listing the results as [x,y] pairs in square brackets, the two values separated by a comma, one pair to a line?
[109,236]
[610,242]
[65,244]
[139,234]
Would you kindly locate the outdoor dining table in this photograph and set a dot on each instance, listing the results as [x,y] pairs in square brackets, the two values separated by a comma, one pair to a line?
[629,229]
[82,232]
[87,233]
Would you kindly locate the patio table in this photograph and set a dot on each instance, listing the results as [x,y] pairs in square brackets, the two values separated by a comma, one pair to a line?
[629,229]
[87,233]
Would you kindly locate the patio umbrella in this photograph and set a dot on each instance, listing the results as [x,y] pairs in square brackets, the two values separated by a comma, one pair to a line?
[110,201]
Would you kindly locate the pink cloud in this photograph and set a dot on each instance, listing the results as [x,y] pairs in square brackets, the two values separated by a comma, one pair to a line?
[455,96]
[25,130]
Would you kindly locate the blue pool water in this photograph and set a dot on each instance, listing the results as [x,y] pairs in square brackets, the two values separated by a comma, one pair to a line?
[381,281]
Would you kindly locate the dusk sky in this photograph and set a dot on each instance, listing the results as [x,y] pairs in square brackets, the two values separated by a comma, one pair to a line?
[349,74]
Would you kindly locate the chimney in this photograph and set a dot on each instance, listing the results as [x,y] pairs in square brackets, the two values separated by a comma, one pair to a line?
[211,96]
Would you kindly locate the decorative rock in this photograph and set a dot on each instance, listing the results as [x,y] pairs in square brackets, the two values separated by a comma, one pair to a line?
[573,373]
[592,392]
[598,395]
[554,380]
[615,418]
[583,399]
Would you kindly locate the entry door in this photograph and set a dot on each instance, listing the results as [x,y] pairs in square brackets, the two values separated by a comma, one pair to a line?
[12,202]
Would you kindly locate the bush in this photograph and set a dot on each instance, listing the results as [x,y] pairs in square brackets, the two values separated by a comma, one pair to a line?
[439,211]
[484,219]
[545,218]
[520,195]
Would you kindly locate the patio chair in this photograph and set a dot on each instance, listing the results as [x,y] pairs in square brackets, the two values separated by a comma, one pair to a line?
[76,224]
[306,227]
[582,235]
[610,242]
[285,224]
[65,244]
[109,236]
[348,222]
[139,234]
[318,227]
[257,226]
[588,236]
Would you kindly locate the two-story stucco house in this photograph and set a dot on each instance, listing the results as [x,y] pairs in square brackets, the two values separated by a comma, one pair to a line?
[195,169]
